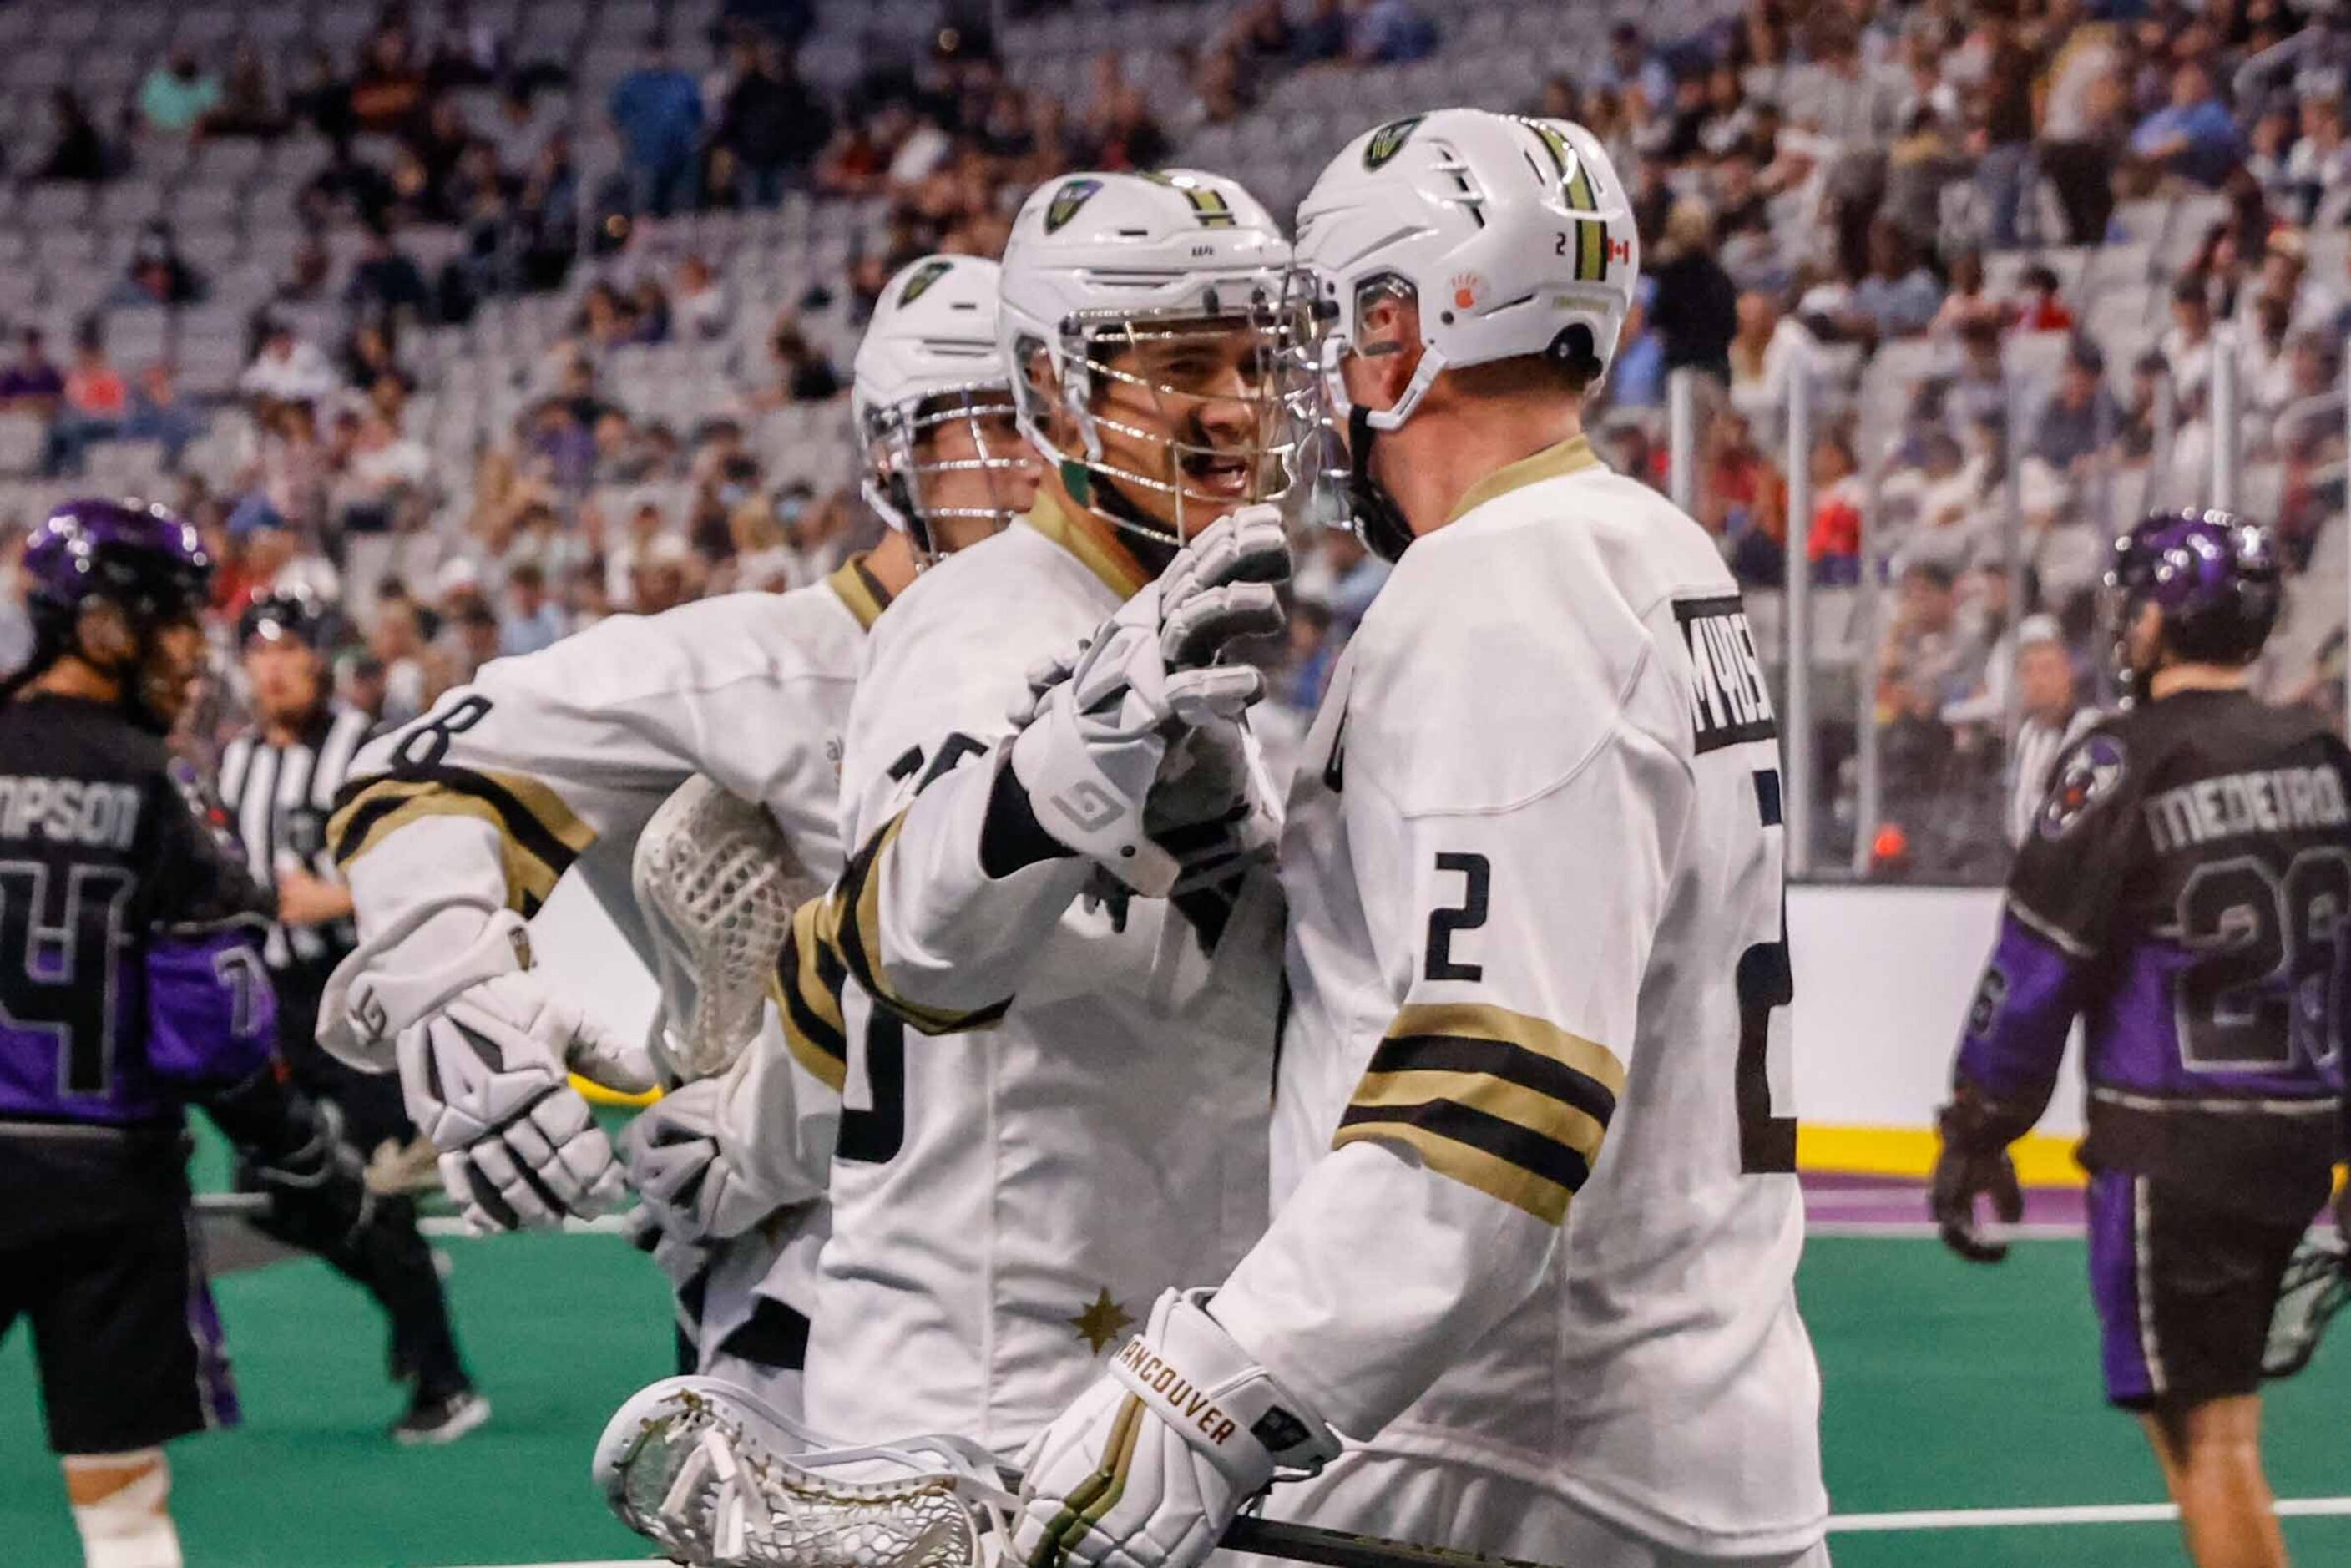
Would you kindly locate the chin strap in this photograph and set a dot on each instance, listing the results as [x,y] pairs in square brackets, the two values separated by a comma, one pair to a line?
[1379,521]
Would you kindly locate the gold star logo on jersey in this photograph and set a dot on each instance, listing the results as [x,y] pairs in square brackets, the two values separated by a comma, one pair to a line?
[1101,1325]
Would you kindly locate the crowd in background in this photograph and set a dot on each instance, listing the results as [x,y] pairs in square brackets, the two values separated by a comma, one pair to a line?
[1824,191]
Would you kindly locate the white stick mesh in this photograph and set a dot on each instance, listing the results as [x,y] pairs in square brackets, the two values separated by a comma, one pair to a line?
[713,1477]
[717,883]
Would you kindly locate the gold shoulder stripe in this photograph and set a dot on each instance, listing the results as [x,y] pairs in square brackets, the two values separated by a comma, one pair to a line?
[806,989]
[1477,1020]
[1529,1109]
[856,932]
[539,835]
[860,591]
[1089,540]
[1496,1178]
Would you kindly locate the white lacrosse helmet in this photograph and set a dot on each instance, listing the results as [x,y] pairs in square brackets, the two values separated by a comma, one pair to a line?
[1104,262]
[930,358]
[1514,236]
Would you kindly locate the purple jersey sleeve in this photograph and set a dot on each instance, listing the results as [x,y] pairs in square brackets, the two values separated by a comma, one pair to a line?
[211,1017]
[2015,1040]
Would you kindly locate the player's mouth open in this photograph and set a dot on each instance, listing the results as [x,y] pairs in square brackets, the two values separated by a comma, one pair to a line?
[1216,473]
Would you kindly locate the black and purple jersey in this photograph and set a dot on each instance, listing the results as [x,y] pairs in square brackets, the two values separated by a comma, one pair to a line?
[130,972]
[2186,889]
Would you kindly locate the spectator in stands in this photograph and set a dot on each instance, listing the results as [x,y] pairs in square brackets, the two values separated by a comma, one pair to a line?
[772,126]
[79,153]
[321,98]
[803,373]
[385,475]
[1322,37]
[1978,385]
[532,620]
[2005,105]
[657,110]
[31,383]
[2193,136]
[1898,296]
[2080,418]
[2188,347]
[94,403]
[157,413]
[1767,348]
[2318,164]
[699,305]
[414,674]
[1838,492]
[387,95]
[158,273]
[289,368]
[1390,33]
[248,107]
[662,577]
[2041,307]
[176,95]
[1632,69]
[468,51]
[1694,309]
[387,282]
[1969,300]
[1125,134]
[2085,118]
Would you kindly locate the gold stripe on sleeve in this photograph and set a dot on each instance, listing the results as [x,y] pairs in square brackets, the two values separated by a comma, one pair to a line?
[1489,1173]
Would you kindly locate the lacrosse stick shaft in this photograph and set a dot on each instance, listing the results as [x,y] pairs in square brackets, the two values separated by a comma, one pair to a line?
[1338,1549]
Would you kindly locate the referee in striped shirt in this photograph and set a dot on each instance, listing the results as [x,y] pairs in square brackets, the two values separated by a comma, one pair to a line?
[278,780]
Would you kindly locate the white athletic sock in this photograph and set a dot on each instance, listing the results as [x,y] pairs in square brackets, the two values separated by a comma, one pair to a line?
[131,1526]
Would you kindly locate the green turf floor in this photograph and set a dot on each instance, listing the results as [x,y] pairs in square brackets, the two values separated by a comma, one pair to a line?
[1947,1387]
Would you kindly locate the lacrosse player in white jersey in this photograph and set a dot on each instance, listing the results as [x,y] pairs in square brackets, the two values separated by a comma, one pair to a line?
[1536,1226]
[454,828]
[736,1162]
[1086,1124]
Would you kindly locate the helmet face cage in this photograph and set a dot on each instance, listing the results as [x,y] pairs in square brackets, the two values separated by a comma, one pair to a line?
[1093,352]
[899,475]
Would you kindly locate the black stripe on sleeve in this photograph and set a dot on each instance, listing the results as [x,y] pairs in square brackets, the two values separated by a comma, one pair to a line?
[1497,1058]
[1546,1157]
[816,1030]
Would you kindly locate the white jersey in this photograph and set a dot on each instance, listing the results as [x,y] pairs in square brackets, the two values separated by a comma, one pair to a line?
[1014,1188]
[1535,1212]
[556,761]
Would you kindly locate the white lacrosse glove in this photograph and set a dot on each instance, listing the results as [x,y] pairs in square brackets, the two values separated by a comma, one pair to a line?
[485,1051]
[1090,746]
[1151,1464]
[680,1171]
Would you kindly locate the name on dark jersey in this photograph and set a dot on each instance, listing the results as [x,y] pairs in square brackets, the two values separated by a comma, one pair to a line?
[69,811]
[2275,800]
[1730,703]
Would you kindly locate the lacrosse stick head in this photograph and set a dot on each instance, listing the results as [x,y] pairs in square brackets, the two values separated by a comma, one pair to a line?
[717,883]
[712,1475]
[2316,1284]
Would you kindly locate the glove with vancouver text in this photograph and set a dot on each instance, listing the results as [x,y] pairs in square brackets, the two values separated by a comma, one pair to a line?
[1152,1463]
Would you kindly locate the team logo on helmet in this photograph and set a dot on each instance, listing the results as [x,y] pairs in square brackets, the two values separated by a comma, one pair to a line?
[930,272]
[1073,194]
[2094,771]
[1389,139]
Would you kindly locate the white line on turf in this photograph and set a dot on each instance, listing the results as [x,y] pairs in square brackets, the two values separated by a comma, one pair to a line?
[1923,1519]
[602,1225]
[2087,1513]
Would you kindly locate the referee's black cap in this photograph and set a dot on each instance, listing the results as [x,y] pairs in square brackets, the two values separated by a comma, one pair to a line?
[275,616]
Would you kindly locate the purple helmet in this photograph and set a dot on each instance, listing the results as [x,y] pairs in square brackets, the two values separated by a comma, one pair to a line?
[2213,574]
[142,557]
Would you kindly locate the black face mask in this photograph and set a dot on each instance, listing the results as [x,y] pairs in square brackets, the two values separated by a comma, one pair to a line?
[1379,521]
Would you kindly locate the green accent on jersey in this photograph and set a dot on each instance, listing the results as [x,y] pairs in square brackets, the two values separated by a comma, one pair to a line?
[1389,139]
[929,273]
[1073,194]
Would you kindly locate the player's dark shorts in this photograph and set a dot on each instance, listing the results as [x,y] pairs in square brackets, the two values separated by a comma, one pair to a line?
[2184,1291]
[124,1331]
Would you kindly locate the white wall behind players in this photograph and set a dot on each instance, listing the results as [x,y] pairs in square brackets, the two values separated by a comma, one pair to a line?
[1883,978]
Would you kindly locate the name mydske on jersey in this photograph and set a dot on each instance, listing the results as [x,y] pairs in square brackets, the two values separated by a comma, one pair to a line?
[1731,703]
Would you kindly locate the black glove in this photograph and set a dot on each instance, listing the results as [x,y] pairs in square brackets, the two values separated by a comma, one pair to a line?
[317,1191]
[1973,1163]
